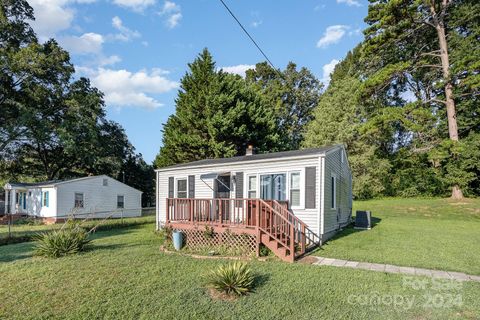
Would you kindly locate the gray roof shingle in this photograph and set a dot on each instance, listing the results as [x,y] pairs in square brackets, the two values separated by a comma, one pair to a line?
[262,156]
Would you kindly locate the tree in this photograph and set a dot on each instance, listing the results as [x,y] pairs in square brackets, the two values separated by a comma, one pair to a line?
[407,43]
[217,115]
[52,127]
[340,118]
[292,93]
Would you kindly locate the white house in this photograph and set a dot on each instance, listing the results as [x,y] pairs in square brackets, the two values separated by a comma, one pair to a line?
[93,196]
[315,185]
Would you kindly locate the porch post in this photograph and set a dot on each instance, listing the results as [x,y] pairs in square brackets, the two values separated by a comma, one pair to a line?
[7,201]
[13,201]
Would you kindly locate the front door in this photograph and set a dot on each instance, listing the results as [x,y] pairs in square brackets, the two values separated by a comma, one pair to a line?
[222,191]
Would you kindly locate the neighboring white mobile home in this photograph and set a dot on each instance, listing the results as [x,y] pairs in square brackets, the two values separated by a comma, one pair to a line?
[93,196]
[315,185]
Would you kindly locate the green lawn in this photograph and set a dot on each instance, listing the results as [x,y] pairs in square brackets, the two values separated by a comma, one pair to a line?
[26,230]
[430,233]
[125,276]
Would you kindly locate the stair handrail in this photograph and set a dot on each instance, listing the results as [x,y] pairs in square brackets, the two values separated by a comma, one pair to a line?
[305,231]
[290,234]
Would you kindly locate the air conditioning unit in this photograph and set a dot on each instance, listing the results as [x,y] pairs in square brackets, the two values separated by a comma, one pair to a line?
[363,220]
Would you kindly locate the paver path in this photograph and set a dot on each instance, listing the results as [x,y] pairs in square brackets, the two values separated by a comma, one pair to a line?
[321,261]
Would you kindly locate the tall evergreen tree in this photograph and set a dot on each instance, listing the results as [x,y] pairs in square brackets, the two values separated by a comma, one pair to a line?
[407,43]
[292,93]
[217,115]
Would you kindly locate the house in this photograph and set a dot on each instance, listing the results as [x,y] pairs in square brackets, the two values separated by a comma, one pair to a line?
[93,196]
[287,201]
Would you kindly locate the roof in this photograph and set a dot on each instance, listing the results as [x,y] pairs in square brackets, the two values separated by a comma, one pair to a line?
[254,157]
[52,183]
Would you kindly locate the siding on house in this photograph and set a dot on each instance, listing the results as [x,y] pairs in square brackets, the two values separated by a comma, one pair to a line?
[334,218]
[35,202]
[204,189]
[98,199]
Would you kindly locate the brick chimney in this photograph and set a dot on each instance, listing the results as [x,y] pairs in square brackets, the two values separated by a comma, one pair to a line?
[249,150]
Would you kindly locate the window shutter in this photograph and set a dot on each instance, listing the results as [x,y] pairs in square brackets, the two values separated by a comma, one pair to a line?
[46,199]
[191,186]
[171,187]
[310,187]
[239,189]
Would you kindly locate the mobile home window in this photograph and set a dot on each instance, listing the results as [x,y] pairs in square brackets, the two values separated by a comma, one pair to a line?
[120,202]
[295,189]
[181,188]
[105,182]
[273,186]
[252,187]
[45,199]
[78,200]
[333,195]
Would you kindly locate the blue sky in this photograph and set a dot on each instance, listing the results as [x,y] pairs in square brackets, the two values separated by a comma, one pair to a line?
[136,51]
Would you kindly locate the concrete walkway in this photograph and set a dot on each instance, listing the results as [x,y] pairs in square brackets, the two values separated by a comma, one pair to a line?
[395,269]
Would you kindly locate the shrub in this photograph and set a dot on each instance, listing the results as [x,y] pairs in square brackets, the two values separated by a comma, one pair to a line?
[233,279]
[208,233]
[62,242]
[168,233]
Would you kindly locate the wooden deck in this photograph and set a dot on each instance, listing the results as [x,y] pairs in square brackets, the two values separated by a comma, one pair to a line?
[269,221]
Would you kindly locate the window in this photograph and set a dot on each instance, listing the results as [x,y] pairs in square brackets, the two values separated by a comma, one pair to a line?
[273,186]
[78,200]
[295,189]
[105,182]
[120,202]
[333,195]
[252,187]
[45,199]
[181,188]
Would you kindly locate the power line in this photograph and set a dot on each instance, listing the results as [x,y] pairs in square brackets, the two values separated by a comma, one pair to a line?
[248,34]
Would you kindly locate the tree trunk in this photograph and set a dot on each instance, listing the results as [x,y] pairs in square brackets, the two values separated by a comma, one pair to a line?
[449,102]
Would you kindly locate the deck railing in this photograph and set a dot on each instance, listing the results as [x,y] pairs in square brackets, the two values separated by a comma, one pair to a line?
[221,212]
[270,216]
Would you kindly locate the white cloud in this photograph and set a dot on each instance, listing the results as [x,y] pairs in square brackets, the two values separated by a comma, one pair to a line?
[350,2]
[328,69]
[332,35]
[85,44]
[173,20]
[125,33]
[108,61]
[135,5]
[238,69]
[172,12]
[123,88]
[51,16]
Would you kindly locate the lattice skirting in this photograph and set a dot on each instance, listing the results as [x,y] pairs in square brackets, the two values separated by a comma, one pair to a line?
[226,242]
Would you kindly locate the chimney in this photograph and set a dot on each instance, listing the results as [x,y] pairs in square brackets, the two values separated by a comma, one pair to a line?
[249,150]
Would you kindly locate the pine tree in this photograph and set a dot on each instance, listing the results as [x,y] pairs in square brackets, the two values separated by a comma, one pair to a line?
[217,115]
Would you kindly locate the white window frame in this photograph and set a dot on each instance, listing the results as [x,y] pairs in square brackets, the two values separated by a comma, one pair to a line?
[248,186]
[186,187]
[121,195]
[287,173]
[300,189]
[75,200]
[333,191]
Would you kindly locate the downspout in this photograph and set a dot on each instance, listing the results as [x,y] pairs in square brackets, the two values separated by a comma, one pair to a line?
[321,163]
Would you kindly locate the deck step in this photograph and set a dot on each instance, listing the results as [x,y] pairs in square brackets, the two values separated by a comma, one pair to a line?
[277,248]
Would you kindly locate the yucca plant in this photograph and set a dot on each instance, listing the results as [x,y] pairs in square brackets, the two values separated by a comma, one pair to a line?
[233,279]
[62,242]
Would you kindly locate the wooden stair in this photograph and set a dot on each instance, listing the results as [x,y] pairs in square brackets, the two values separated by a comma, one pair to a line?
[282,232]
[279,249]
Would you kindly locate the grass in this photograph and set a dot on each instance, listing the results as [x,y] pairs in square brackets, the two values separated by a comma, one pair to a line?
[429,233]
[26,232]
[126,276]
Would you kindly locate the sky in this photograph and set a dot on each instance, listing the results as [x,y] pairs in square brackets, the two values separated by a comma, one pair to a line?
[136,51]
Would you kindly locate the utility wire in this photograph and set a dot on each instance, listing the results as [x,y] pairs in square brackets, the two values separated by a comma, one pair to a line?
[248,34]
